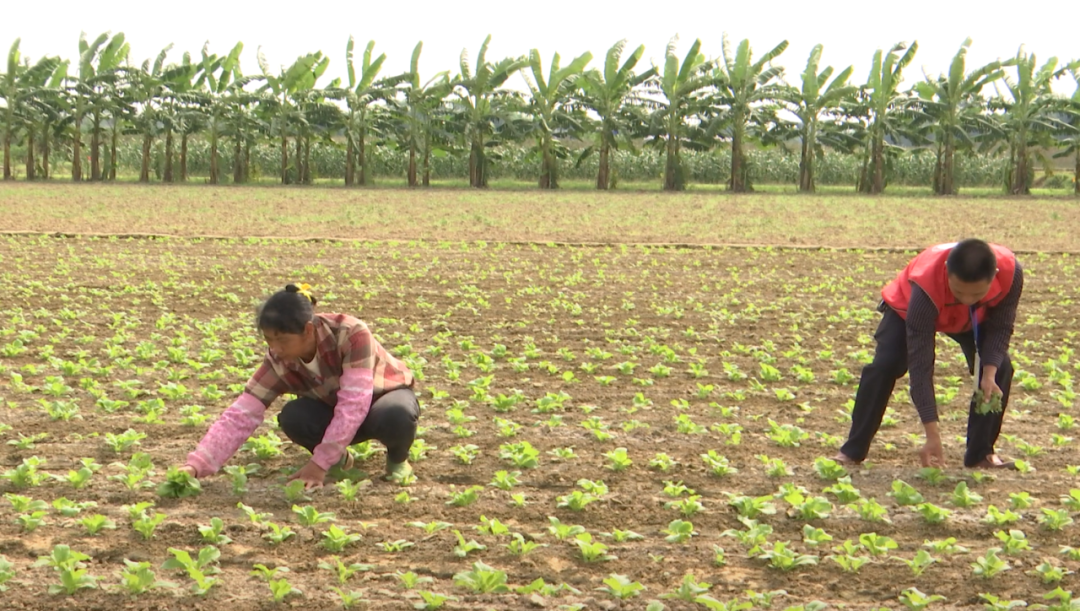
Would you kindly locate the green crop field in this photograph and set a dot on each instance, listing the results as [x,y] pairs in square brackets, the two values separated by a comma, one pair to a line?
[605,425]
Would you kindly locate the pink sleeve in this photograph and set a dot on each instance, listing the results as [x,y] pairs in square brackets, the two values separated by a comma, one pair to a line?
[228,433]
[353,403]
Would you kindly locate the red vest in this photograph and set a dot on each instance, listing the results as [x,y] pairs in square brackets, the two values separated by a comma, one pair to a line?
[928,271]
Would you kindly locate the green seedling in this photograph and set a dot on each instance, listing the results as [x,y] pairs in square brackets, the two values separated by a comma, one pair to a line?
[214,533]
[179,484]
[71,568]
[621,588]
[989,564]
[592,551]
[464,548]
[309,516]
[335,539]
[519,546]
[277,534]
[343,571]
[482,579]
[138,578]
[239,476]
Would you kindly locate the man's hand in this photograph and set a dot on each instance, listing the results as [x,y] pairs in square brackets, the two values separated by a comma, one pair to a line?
[932,454]
[988,385]
[311,474]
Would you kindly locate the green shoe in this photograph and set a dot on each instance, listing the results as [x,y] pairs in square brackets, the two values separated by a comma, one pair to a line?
[396,471]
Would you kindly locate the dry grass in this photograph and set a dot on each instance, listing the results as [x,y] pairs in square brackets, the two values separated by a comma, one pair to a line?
[844,220]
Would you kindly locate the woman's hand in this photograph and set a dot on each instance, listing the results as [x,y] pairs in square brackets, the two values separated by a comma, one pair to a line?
[311,474]
[188,469]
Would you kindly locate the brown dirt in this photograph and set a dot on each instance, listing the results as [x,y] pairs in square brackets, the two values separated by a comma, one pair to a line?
[635,298]
[833,220]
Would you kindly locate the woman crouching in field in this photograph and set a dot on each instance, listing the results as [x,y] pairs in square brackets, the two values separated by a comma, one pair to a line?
[349,389]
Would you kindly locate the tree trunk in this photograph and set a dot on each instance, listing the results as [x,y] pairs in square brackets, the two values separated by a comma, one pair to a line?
[144,173]
[863,183]
[548,177]
[76,151]
[804,182]
[350,160]
[284,160]
[738,171]
[806,161]
[7,154]
[307,161]
[299,160]
[410,173]
[877,165]
[948,178]
[183,157]
[247,160]
[361,153]
[672,180]
[112,150]
[168,155]
[213,155]
[939,171]
[1020,172]
[45,152]
[238,162]
[427,164]
[31,169]
[477,162]
[95,148]
[474,165]
[1076,173]
[603,180]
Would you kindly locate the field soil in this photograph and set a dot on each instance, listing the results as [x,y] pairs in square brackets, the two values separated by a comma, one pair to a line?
[687,319]
[835,220]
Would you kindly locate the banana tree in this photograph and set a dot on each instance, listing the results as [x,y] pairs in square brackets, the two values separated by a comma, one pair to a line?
[418,114]
[481,104]
[274,108]
[614,96]
[26,89]
[49,111]
[312,112]
[220,72]
[179,111]
[749,92]
[953,104]
[361,93]
[281,107]
[683,88]
[1069,137]
[887,108]
[98,96]
[816,107]
[549,107]
[10,92]
[244,127]
[1030,113]
[146,87]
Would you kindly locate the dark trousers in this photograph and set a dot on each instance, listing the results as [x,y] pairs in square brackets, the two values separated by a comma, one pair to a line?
[890,364]
[390,421]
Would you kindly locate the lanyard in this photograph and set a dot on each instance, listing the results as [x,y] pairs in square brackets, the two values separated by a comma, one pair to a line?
[977,373]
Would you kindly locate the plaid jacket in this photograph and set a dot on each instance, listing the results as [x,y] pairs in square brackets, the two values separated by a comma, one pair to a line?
[353,367]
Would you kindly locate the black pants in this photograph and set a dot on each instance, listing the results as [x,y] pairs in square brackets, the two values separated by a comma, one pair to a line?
[390,421]
[890,364]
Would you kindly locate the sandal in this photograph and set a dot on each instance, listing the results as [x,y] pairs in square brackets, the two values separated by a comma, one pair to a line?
[846,460]
[993,461]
